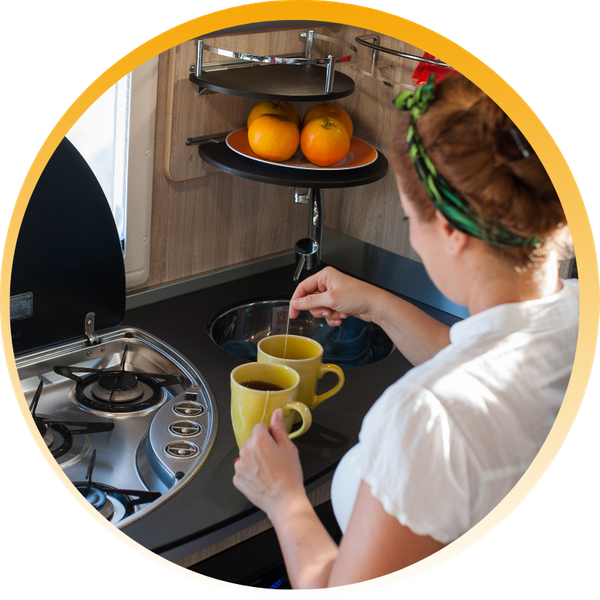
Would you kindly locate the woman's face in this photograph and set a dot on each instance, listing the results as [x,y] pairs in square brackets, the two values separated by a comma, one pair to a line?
[428,240]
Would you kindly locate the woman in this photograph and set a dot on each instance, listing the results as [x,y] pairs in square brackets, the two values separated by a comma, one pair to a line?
[450,439]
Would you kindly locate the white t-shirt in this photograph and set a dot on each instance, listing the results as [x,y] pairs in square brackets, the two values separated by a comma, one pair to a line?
[446,442]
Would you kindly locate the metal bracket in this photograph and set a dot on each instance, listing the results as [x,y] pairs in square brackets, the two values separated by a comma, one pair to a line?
[90,329]
[301,195]
[217,138]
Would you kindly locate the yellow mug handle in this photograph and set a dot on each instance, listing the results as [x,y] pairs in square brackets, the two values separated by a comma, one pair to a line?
[334,390]
[303,411]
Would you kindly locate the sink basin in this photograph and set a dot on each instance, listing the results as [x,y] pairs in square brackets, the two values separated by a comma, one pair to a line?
[355,343]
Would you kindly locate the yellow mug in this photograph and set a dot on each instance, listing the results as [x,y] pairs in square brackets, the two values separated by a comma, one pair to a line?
[305,356]
[257,390]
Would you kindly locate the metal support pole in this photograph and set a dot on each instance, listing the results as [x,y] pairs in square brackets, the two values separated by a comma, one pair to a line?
[310,38]
[199,58]
[330,74]
[316,220]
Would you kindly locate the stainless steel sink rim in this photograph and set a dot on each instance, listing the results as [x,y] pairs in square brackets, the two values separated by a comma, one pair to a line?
[258,324]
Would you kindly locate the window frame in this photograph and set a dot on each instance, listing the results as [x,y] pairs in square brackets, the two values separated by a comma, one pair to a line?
[142,125]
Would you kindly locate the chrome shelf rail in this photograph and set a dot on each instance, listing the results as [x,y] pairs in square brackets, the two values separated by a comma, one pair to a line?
[330,61]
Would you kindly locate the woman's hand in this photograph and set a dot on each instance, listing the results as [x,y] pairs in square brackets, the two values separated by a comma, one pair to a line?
[268,471]
[332,295]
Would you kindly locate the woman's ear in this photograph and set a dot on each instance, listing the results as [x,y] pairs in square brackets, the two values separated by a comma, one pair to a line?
[458,242]
[455,239]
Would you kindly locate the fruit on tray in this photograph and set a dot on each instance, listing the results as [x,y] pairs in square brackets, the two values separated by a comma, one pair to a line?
[275,131]
[274,107]
[324,141]
[329,110]
[273,137]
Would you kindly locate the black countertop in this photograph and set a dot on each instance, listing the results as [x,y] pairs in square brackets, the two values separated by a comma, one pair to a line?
[209,508]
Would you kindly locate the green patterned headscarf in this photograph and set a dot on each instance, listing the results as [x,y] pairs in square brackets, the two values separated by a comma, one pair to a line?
[445,199]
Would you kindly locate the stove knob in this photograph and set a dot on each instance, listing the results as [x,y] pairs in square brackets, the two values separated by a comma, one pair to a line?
[182,449]
[185,428]
[188,408]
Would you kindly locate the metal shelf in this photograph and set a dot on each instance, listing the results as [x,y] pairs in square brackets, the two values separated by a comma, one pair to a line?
[296,83]
[282,77]
[219,155]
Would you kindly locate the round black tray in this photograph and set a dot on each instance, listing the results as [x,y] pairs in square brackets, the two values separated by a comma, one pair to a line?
[219,155]
[299,83]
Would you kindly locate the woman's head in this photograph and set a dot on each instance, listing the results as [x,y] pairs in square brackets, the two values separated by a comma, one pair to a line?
[479,152]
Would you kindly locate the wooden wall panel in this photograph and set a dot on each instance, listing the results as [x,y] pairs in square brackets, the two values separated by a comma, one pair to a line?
[372,213]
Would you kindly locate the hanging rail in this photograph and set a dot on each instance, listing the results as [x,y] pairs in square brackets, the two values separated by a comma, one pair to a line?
[363,40]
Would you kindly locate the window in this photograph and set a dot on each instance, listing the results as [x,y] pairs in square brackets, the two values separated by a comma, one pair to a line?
[116,138]
[102,137]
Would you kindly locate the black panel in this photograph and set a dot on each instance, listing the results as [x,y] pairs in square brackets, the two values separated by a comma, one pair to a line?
[294,83]
[68,256]
[219,155]
[258,561]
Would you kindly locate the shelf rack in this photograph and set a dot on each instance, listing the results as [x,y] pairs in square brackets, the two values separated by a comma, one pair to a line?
[311,79]
[283,77]
[215,152]
[290,78]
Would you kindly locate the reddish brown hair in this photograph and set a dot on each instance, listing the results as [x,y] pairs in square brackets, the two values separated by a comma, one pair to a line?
[468,138]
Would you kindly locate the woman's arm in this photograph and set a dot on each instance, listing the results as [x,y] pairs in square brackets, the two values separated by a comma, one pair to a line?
[332,295]
[375,543]
[269,474]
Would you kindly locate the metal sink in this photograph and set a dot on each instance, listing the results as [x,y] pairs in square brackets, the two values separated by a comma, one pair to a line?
[355,343]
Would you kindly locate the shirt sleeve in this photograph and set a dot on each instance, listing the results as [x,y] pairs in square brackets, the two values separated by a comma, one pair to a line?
[415,460]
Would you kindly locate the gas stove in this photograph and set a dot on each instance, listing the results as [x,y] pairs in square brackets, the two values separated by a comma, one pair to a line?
[129,420]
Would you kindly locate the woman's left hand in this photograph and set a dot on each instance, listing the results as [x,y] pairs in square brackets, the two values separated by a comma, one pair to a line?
[268,471]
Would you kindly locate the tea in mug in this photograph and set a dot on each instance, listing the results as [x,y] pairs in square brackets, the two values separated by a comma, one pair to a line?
[277,388]
[263,386]
[305,356]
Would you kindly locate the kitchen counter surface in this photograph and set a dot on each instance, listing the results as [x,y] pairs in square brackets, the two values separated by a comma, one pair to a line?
[209,508]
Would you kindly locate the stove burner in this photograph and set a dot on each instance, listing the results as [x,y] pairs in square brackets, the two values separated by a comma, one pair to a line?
[98,499]
[105,498]
[57,435]
[118,386]
[58,438]
[117,390]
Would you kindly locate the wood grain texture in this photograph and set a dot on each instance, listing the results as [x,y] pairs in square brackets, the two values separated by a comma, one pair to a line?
[372,213]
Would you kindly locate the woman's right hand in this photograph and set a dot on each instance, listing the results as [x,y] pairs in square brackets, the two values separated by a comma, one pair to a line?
[334,296]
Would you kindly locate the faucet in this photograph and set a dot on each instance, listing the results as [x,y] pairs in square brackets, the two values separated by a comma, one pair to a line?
[308,250]
[306,255]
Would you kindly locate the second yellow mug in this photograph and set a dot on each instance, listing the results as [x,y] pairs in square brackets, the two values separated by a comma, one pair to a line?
[257,390]
[305,356]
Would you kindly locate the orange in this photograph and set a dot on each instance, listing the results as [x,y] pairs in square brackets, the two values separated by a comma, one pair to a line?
[324,141]
[330,110]
[273,137]
[274,107]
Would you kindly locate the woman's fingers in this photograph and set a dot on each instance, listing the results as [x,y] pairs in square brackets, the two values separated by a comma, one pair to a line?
[268,468]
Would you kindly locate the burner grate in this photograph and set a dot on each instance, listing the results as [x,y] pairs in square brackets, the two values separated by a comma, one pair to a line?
[112,503]
[58,434]
[118,390]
